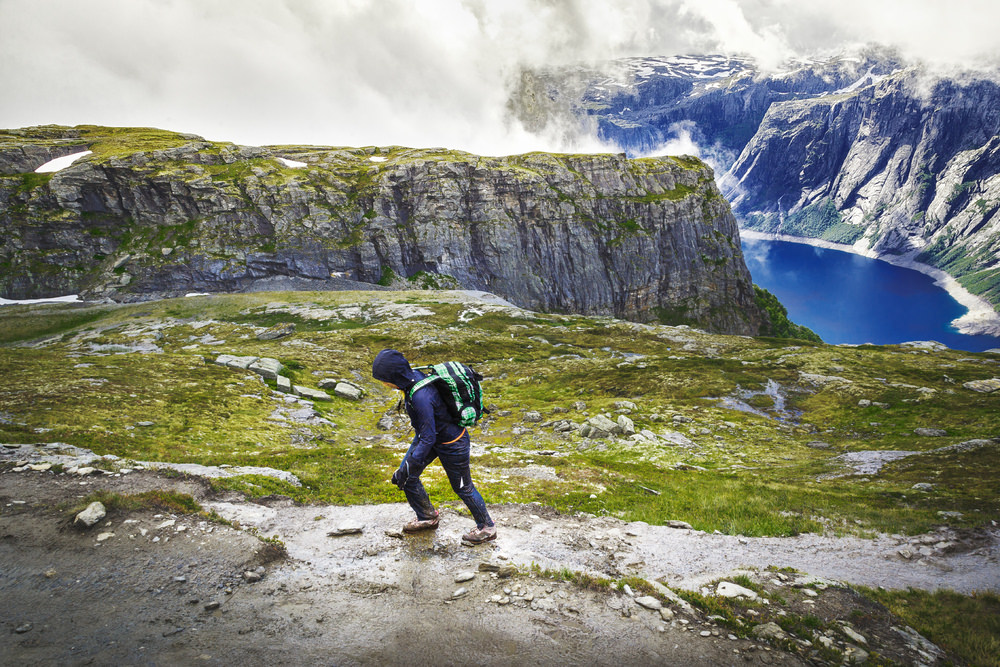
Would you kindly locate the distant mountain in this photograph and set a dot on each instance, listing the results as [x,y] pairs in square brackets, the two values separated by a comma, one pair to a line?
[863,149]
[151,213]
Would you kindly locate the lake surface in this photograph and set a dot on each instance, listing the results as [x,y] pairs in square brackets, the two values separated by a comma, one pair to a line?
[847,298]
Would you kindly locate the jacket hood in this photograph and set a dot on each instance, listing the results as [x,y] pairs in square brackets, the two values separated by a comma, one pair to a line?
[392,366]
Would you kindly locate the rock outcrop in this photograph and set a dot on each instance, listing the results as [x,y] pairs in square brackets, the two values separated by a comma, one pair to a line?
[152,213]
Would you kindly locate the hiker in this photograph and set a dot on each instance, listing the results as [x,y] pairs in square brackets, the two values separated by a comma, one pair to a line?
[437,436]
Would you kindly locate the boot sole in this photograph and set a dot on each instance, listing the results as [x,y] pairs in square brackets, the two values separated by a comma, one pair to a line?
[472,543]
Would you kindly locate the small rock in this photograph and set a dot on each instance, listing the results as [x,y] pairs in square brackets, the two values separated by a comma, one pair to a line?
[532,417]
[769,630]
[673,523]
[983,386]
[854,655]
[21,629]
[666,614]
[853,634]
[460,592]
[930,432]
[810,592]
[464,576]
[649,602]
[105,536]
[277,331]
[507,571]
[213,605]
[310,393]
[349,391]
[145,424]
[705,633]
[818,444]
[346,529]
[728,589]
[922,486]
[251,577]
[267,368]
[95,512]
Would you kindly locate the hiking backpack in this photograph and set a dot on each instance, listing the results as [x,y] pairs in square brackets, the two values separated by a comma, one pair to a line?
[459,388]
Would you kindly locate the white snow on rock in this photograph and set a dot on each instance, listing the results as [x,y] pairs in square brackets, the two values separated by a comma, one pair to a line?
[72,298]
[60,163]
[378,158]
[291,164]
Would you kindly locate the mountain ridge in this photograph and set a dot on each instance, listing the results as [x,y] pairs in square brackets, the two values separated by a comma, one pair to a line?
[152,213]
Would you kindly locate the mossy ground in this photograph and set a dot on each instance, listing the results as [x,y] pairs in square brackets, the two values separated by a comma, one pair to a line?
[71,377]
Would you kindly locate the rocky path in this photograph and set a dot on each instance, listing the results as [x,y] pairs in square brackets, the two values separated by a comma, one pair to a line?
[148,587]
[603,546]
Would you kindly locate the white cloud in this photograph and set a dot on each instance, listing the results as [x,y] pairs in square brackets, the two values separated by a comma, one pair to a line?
[362,72]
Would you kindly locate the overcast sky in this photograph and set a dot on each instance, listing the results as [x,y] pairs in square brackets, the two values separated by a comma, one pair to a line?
[408,72]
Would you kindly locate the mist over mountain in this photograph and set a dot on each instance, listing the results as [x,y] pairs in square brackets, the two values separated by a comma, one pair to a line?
[864,149]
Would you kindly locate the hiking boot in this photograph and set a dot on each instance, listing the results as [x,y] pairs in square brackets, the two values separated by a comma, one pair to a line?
[418,525]
[480,535]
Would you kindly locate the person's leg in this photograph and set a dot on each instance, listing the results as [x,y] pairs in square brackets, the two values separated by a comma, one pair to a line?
[415,493]
[455,462]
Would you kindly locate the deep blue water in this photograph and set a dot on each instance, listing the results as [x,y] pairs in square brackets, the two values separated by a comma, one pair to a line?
[847,298]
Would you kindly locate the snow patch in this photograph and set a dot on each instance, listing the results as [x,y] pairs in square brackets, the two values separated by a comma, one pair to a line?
[60,163]
[72,298]
[378,158]
[291,164]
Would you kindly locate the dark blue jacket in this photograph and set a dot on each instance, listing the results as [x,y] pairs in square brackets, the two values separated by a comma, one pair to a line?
[428,414]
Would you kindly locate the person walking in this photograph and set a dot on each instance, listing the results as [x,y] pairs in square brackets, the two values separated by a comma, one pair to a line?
[436,436]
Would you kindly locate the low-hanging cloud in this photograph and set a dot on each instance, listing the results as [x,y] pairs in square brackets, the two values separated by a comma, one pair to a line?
[363,72]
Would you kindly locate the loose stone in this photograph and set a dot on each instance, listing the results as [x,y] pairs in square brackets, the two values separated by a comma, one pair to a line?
[649,602]
[95,512]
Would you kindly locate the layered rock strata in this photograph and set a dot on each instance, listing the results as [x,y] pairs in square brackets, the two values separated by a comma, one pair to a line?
[152,213]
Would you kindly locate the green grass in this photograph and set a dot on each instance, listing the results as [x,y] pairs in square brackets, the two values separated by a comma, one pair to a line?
[967,626]
[746,474]
[168,501]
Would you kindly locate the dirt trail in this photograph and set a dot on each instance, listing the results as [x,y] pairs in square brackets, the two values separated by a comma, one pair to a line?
[681,558]
[164,590]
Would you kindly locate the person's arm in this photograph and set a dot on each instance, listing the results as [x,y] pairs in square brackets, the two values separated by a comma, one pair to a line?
[422,418]
[424,425]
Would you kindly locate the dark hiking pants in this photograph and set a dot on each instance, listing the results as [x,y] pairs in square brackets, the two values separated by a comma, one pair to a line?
[455,460]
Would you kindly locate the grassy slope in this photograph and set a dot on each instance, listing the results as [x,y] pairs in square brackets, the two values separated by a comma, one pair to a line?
[69,379]
[748,474]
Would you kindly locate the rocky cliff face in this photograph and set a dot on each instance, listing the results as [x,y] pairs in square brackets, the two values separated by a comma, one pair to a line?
[895,168]
[153,213]
[863,150]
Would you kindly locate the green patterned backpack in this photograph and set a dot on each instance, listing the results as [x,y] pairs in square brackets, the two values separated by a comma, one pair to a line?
[459,388]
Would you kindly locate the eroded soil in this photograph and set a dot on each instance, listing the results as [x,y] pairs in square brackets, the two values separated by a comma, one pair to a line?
[160,589]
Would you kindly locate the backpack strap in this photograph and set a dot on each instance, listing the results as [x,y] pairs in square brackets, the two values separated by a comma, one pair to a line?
[420,385]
